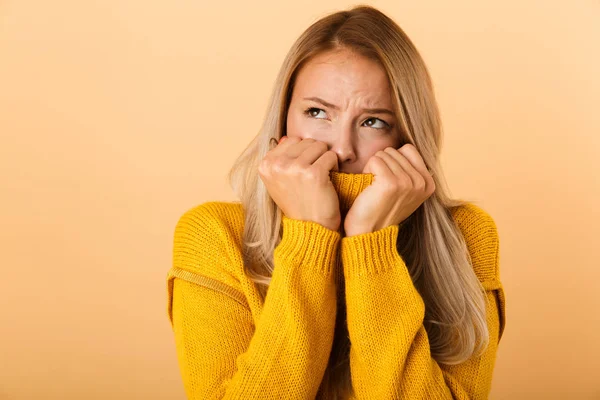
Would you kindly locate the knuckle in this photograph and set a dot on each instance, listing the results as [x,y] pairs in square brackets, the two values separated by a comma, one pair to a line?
[294,170]
[405,182]
[391,185]
[263,167]
[431,189]
[277,166]
[310,174]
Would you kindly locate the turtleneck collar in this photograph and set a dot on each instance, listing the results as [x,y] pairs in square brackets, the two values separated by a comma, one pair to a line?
[349,186]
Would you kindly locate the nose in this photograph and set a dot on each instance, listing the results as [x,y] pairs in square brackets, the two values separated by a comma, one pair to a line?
[345,147]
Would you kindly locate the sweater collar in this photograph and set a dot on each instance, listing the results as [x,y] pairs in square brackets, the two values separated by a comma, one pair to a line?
[348,186]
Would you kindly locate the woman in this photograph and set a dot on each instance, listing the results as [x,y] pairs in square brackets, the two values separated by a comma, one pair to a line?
[345,271]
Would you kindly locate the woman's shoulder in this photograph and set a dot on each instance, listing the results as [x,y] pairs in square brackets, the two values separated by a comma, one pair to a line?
[473,218]
[219,215]
[207,240]
[481,236]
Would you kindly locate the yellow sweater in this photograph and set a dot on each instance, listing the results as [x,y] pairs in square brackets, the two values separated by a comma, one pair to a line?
[232,345]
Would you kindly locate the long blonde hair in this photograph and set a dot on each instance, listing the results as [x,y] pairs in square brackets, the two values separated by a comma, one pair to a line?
[430,242]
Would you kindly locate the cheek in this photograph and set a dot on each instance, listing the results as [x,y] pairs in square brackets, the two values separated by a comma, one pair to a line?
[300,126]
[370,148]
[295,124]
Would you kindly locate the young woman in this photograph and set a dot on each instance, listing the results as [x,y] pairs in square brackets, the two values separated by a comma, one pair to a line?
[346,271]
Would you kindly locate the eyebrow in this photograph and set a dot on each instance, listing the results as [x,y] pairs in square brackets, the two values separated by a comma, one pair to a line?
[369,110]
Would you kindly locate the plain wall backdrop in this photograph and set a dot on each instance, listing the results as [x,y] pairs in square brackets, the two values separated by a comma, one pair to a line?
[118,116]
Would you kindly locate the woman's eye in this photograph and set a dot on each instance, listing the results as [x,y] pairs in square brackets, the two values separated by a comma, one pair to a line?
[313,112]
[372,121]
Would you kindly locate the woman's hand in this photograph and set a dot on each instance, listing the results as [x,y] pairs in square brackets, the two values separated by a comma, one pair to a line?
[296,175]
[401,183]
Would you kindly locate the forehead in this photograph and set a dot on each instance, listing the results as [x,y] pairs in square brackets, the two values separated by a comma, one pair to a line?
[338,75]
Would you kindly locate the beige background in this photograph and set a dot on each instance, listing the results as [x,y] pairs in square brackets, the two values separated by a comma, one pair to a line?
[118,116]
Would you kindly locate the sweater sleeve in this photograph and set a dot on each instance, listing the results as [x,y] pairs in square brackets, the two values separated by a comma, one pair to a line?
[223,352]
[390,356]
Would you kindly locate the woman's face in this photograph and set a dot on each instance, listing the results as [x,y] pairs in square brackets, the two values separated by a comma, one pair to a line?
[344,100]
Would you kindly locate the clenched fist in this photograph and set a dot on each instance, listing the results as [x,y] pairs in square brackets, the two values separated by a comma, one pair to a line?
[296,175]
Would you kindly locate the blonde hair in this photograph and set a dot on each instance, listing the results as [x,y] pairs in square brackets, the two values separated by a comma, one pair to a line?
[430,242]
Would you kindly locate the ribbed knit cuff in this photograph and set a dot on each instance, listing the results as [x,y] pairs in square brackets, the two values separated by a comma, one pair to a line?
[371,253]
[308,243]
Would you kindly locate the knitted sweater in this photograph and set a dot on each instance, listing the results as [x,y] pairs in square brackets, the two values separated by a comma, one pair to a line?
[232,345]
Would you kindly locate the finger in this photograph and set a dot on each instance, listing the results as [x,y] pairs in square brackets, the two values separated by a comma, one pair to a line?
[277,146]
[412,154]
[297,146]
[312,153]
[378,167]
[418,181]
[285,143]
[393,164]
[328,161]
